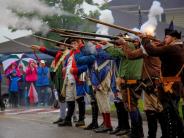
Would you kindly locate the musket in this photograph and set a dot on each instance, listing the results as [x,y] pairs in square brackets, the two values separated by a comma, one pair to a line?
[20,43]
[120,28]
[92,39]
[83,33]
[17,42]
[52,41]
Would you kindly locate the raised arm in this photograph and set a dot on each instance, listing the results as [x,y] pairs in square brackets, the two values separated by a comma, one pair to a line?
[45,50]
[158,51]
[129,49]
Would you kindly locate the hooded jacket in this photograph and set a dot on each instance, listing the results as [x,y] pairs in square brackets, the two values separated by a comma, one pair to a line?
[31,74]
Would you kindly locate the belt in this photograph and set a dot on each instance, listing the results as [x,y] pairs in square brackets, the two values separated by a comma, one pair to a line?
[131,81]
[70,84]
[170,79]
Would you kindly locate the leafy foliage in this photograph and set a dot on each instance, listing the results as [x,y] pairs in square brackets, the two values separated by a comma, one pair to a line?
[70,18]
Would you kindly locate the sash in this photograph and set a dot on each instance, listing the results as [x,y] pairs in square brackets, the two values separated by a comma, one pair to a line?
[54,65]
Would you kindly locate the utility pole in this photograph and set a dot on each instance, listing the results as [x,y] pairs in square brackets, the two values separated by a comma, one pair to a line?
[139,14]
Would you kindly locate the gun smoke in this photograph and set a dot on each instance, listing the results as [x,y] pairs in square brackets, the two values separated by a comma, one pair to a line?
[12,9]
[150,25]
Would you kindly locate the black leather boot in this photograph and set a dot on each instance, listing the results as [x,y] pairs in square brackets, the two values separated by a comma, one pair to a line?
[81,106]
[2,105]
[123,124]
[67,121]
[94,123]
[107,124]
[103,129]
[58,121]
[152,123]
[116,130]
[123,132]
[136,125]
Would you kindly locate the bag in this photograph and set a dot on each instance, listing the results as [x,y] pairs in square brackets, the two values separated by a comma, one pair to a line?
[33,95]
[56,94]
[56,104]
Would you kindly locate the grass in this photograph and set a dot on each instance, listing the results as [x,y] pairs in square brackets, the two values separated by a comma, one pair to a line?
[141,106]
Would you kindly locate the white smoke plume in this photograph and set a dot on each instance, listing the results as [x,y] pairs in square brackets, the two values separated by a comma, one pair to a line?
[86,7]
[105,16]
[30,6]
[10,19]
[155,11]
[101,2]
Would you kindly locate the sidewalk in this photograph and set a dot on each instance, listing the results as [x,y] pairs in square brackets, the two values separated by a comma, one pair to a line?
[52,116]
[47,116]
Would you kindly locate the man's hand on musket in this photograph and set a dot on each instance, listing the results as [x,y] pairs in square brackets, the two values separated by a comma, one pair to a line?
[35,47]
[121,41]
[103,42]
[142,35]
[94,42]
[155,43]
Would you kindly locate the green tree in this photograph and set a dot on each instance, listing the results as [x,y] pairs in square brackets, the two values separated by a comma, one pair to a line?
[67,21]
[70,20]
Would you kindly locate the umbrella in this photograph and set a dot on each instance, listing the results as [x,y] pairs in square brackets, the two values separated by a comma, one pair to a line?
[20,59]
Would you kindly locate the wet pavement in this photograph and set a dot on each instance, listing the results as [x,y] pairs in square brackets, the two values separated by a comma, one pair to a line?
[37,123]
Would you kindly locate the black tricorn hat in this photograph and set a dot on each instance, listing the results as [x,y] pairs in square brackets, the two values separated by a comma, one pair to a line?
[70,40]
[172,32]
[62,40]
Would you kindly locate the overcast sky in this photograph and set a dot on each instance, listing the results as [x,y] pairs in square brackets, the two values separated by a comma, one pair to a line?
[21,33]
[17,34]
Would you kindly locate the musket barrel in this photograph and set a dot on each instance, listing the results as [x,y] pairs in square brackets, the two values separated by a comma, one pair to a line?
[92,39]
[79,37]
[83,33]
[53,41]
[112,25]
[120,28]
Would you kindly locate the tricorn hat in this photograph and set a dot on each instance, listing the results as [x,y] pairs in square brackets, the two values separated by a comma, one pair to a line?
[70,40]
[172,32]
[62,40]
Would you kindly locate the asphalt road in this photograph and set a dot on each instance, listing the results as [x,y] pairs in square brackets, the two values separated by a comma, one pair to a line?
[39,125]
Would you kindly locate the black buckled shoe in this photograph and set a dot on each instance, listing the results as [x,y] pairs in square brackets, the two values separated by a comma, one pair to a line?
[116,130]
[131,135]
[65,123]
[123,132]
[103,129]
[91,126]
[58,121]
[80,123]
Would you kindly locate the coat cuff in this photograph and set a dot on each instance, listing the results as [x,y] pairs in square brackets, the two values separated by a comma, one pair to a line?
[74,70]
[42,49]
[98,46]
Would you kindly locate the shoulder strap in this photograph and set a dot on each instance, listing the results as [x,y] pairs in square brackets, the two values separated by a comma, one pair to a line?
[179,72]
